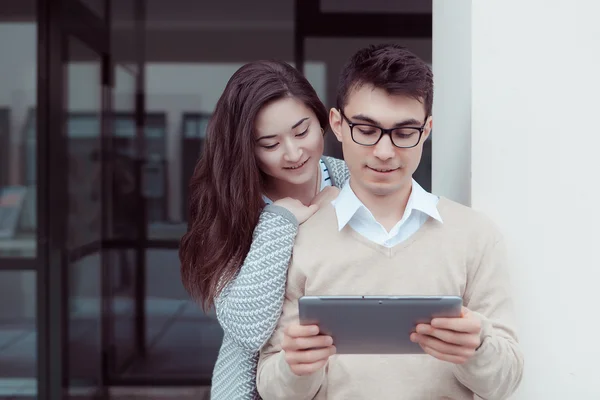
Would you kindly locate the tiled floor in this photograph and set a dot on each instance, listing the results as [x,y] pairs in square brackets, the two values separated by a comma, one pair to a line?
[182,343]
[24,389]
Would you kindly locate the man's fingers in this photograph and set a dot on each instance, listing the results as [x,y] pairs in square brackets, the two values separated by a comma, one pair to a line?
[452,337]
[309,356]
[296,331]
[442,347]
[307,369]
[305,343]
[468,324]
[444,357]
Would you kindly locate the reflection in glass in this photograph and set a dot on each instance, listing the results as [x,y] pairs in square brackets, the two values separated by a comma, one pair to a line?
[180,340]
[98,7]
[84,218]
[18,91]
[18,333]
[194,134]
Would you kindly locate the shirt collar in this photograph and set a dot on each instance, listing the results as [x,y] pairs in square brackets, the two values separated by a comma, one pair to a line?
[347,204]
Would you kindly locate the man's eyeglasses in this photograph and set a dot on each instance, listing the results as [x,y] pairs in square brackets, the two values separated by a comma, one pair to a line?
[369,135]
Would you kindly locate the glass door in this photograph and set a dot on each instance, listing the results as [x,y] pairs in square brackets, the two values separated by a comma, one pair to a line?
[86,85]
[21,253]
[78,117]
[83,123]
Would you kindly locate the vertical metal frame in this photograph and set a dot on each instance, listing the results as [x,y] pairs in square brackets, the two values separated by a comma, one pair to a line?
[44,387]
[140,249]
[51,203]
[138,244]
[57,20]
[106,135]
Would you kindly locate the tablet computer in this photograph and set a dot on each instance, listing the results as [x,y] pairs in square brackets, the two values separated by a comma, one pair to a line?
[375,324]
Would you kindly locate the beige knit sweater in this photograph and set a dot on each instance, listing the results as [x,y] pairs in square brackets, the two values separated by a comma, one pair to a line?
[463,256]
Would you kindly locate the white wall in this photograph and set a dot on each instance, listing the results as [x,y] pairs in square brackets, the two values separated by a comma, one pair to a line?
[451,134]
[534,84]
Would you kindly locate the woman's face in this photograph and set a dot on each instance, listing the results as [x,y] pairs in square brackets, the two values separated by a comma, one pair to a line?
[289,141]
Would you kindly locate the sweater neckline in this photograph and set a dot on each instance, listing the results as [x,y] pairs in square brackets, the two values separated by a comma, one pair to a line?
[391,251]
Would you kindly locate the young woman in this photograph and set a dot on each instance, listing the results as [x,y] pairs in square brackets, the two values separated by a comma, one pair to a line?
[262,174]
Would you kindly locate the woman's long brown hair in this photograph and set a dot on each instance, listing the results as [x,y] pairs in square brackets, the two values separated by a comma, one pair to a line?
[226,187]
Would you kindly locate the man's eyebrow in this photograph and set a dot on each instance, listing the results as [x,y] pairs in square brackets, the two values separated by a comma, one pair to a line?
[369,120]
[293,127]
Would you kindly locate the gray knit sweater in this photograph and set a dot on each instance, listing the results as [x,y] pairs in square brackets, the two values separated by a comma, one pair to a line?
[250,305]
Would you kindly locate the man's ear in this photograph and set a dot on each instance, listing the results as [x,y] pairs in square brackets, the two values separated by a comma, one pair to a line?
[427,129]
[335,122]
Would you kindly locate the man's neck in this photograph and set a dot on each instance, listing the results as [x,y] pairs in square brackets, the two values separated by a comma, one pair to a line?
[387,209]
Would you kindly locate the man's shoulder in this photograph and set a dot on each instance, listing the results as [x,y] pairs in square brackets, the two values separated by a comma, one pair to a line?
[460,218]
[319,227]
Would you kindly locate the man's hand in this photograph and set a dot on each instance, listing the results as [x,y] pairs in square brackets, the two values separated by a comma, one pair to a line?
[305,350]
[450,339]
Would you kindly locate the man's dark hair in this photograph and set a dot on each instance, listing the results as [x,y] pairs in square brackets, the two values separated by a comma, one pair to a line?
[390,67]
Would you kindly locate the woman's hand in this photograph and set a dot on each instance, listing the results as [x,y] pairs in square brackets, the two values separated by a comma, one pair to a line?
[326,196]
[300,211]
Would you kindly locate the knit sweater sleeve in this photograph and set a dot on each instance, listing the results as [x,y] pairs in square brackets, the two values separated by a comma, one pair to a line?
[274,378]
[338,171]
[249,306]
[497,367]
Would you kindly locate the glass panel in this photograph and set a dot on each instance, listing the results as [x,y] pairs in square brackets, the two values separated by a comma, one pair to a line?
[194,133]
[154,175]
[98,7]
[18,98]
[124,24]
[18,334]
[123,199]
[83,110]
[123,320]
[125,218]
[181,340]
[180,81]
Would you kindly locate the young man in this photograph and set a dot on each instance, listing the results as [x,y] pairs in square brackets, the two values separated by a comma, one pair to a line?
[385,235]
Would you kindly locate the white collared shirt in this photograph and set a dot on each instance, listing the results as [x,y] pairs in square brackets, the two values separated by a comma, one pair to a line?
[350,210]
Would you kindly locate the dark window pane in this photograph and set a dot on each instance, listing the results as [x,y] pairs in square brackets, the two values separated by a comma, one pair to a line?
[18,98]
[18,333]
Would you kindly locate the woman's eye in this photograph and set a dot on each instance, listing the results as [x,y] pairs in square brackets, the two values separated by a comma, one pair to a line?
[302,133]
[272,146]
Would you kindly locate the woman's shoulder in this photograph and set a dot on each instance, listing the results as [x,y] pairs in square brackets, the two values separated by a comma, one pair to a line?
[337,170]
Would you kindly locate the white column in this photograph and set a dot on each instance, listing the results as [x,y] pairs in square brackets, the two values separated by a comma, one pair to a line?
[451,133]
[534,168]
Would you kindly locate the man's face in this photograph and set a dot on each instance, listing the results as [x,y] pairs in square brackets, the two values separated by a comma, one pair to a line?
[381,169]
